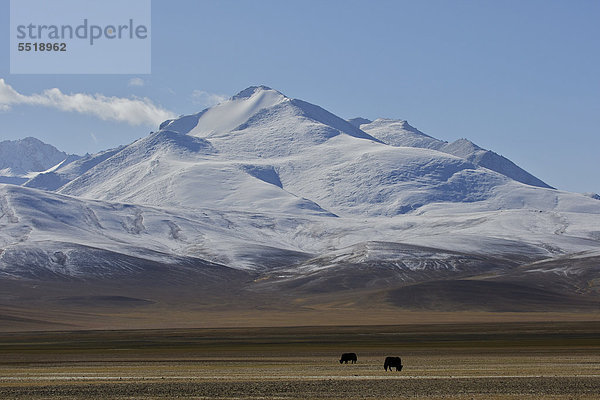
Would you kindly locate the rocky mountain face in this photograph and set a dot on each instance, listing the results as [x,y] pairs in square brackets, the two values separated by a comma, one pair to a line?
[21,159]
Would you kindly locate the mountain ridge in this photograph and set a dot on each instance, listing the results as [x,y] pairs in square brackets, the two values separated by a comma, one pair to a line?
[400,133]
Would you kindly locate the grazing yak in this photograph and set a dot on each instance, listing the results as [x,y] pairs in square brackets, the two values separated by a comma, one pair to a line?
[348,357]
[392,362]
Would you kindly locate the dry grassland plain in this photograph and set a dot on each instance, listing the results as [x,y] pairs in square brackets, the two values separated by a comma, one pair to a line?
[540,360]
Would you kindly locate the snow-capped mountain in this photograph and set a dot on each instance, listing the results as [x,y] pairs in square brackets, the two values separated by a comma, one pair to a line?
[278,154]
[22,159]
[291,196]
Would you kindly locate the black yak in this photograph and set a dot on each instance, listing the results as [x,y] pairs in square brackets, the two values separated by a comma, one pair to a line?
[348,357]
[391,362]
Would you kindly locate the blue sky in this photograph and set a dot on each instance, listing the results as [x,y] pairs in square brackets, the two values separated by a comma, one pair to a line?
[518,77]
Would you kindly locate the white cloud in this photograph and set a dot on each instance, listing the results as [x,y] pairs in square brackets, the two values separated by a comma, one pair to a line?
[94,138]
[134,111]
[136,82]
[206,99]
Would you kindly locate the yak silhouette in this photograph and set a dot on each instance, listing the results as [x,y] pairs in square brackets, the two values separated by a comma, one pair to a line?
[391,362]
[348,357]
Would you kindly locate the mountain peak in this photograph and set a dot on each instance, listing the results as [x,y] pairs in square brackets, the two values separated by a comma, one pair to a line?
[462,148]
[27,141]
[250,91]
[398,132]
[28,155]
[400,123]
[20,158]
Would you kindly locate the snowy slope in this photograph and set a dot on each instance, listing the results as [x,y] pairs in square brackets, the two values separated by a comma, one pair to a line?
[52,233]
[488,159]
[39,226]
[68,170]
[175,170]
